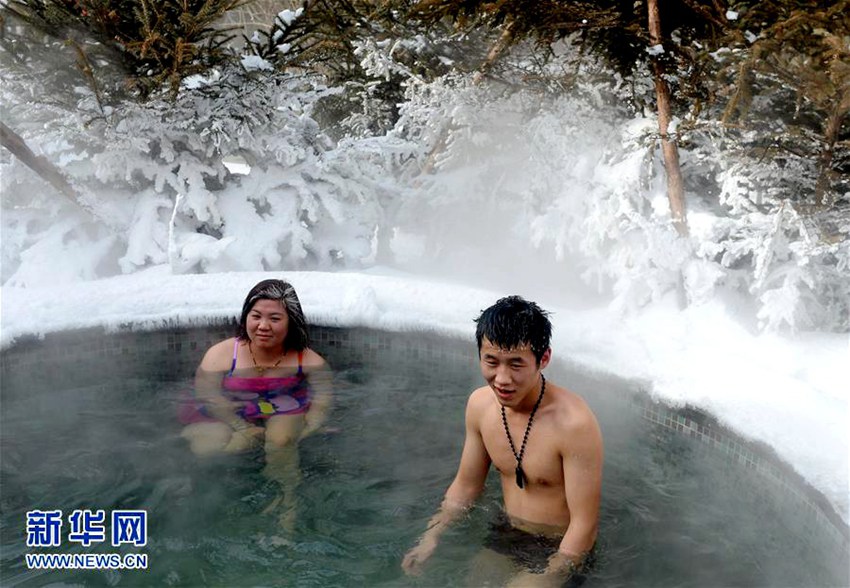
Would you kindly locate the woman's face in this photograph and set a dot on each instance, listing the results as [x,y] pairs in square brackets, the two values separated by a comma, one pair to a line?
[267,324]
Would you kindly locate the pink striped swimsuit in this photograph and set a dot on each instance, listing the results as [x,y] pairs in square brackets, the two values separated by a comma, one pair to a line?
[257,398]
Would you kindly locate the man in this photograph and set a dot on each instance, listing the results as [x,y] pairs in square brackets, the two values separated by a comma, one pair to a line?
[544,441]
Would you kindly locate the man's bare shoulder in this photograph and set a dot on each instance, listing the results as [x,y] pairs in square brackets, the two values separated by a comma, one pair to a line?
[479,401]
[573,415]
[219,356]
[481,397]
[579,437]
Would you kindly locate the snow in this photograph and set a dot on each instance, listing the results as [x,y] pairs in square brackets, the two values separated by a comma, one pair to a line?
[255,62]
[790,393]
[198,81]
[287,16]
[236,165]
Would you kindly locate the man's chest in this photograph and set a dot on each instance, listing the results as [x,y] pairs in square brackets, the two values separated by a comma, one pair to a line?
[541,459]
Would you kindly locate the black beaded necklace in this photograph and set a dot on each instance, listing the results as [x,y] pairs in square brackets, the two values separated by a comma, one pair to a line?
[520,475]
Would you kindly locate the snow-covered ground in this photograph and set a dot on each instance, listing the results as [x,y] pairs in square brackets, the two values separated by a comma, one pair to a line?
[790,393]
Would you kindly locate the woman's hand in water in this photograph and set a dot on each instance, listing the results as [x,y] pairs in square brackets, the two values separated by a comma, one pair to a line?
[245,439]
[416,557]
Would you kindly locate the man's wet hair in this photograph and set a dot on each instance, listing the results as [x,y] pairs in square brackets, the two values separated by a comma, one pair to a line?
[297,338]
[513,322]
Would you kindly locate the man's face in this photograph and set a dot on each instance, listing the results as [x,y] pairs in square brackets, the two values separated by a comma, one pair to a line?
[513,374]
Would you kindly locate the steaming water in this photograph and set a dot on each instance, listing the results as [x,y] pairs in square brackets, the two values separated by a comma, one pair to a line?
[672,515]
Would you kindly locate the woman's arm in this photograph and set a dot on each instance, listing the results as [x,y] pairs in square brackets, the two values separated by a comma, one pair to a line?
[208,376]
[320,377]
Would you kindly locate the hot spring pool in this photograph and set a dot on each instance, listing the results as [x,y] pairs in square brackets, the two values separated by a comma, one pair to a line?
[88,422]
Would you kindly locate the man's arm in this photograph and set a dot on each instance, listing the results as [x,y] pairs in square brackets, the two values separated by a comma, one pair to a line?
[466,487]
[582,463]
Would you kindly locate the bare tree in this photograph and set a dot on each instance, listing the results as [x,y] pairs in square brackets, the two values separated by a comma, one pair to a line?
[669,147]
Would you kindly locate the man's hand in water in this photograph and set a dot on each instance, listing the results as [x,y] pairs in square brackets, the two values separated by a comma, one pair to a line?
[559,570]
[245,439]
[416,557]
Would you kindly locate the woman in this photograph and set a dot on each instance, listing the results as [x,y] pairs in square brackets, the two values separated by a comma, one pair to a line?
[264,386]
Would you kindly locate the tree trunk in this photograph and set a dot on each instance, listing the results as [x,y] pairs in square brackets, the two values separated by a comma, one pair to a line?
[41,166]
[669,149]
[496,51]
[831,129]
[504,41]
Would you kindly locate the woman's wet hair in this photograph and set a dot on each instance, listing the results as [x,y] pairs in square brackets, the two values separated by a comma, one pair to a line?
[514,322]
[296,335]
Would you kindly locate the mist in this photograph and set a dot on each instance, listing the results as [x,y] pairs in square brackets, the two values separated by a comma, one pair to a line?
[547,186]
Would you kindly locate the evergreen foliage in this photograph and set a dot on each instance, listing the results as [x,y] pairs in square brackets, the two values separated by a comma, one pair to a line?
[361,119]
[323,36]
[158,42]
[798,68]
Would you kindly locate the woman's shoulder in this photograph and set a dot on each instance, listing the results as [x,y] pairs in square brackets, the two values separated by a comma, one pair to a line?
[312,359]
[219,356]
